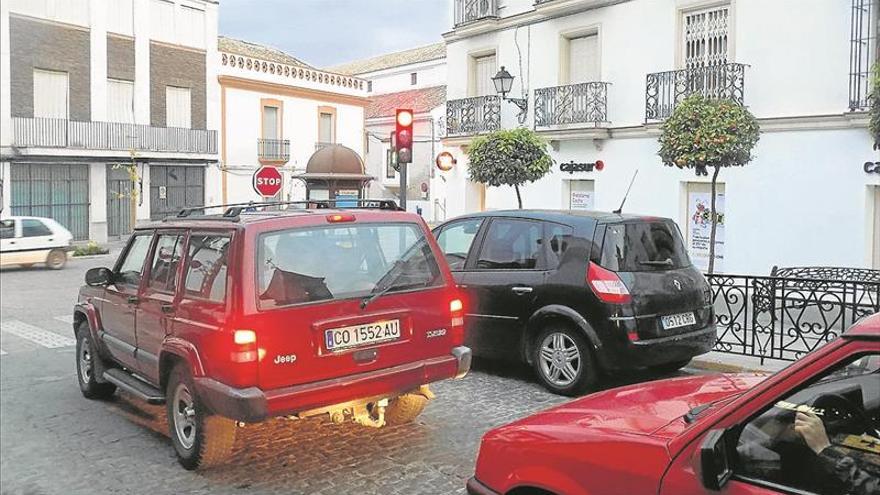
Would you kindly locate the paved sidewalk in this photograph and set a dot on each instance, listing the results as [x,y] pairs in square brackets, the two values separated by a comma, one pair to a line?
[735,363]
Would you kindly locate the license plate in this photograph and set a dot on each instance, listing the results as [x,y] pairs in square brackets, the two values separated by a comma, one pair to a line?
[336,339]
[680,320]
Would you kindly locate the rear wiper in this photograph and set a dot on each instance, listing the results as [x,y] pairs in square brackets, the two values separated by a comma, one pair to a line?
[381,289]
[666,262]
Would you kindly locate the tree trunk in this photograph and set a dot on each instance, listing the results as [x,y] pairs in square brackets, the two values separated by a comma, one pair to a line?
[518,196]
[714,221]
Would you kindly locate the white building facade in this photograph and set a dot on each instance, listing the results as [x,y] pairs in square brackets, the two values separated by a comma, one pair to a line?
[600,76]
[89,87]
[278,111]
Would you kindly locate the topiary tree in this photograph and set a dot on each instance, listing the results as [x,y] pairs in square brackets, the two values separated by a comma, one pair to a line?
[509,158]
[874,99]
[703,133]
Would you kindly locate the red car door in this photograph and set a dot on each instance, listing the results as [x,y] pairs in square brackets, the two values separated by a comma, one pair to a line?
[767,456]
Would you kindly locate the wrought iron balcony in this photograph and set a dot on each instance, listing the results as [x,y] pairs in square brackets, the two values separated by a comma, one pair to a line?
[583,103]
[273,149]
[467,11]
[664,90]
[116,136]
[473,115]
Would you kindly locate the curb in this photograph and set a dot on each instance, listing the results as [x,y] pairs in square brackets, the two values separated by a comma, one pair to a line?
[724,367]
[88,256]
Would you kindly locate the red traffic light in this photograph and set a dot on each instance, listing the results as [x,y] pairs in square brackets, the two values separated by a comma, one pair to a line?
[404,118]
[404,133]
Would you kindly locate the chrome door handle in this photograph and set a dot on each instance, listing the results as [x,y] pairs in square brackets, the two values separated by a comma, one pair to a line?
[521,290]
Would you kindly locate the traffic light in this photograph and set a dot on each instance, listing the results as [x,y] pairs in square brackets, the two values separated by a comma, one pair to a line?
[404,134]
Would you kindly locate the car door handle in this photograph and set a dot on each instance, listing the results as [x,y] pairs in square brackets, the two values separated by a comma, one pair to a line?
[167,308]
[521,290]
[133,299]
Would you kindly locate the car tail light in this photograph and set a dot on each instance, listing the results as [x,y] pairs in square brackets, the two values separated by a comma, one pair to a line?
[245,346]
[456,313]
[340,218]
[607,285]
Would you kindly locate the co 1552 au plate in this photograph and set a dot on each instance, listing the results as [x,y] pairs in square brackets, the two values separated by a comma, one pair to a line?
[337,339]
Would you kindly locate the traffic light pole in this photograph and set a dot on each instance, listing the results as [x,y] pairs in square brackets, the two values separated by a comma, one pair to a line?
[403,184]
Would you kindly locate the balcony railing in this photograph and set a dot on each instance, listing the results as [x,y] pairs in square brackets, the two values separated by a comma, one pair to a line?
[467,11]
[583,103]
[473,115]
[273,149]
[116,136]
[863,47]
[664,90]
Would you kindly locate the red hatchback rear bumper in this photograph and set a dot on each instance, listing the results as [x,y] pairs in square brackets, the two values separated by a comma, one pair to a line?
[253,404]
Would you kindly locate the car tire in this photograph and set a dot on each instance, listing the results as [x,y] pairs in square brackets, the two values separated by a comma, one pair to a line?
[56,259]
[85,374]
[560,345]
[404,409]
[667,368]
[200,439]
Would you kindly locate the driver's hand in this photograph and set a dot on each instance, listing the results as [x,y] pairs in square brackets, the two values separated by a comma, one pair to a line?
[810,426]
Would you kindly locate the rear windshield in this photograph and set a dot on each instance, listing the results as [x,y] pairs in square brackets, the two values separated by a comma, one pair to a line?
[643,246]
[323,263]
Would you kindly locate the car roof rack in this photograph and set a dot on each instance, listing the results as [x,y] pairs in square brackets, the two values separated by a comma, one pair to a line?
[234,210]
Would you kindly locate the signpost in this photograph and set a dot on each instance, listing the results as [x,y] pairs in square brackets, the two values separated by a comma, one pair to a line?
[267,181]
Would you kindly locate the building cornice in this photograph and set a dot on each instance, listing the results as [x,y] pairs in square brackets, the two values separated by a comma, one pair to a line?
[293,91]
[259,65]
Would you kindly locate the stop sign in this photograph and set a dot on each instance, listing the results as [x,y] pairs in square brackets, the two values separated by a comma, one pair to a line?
[267,181]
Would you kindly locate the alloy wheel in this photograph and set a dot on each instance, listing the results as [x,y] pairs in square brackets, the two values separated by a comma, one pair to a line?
[560,359]
[184,416]
[85,361]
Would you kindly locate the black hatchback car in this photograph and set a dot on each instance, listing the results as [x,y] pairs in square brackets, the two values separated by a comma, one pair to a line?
[576,294]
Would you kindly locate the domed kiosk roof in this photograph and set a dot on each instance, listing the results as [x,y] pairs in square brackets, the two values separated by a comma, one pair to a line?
[335,162]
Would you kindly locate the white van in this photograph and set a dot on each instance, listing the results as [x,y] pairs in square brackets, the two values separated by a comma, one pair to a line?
[26,241]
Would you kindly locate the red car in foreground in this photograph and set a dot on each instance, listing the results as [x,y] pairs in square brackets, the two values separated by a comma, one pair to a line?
[812,428]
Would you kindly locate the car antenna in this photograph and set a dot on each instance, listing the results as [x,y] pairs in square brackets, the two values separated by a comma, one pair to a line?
[617,211]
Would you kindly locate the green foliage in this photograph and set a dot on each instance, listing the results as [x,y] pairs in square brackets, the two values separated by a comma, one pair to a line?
[509,158]
[874,98]
[90,249]
[705,133]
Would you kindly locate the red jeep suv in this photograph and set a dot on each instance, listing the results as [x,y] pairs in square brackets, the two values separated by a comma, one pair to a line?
[262,311]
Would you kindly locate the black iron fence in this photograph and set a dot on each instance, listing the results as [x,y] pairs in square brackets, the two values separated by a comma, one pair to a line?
[473,115]
[583,103]
[273,149]
[117,136]
[474,10]
[664,90]
[785,317]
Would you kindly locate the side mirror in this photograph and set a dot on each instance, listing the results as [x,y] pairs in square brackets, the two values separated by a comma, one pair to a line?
[715,460]
[99,277]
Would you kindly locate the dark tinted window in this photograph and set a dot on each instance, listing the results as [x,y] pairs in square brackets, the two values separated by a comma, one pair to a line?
[315,264]
[511,245]
[206,267]
[166,259]
[34,228]
[455,241]
[132,265]
[7,229]
[559,238]
[643,246]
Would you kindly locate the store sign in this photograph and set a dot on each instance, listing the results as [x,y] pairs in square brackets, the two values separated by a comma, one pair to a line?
[572,167]
[872,167]
[700,229]
[347,198]
[581,200]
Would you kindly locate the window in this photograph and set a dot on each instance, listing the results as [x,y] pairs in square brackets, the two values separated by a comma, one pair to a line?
[369,86]
[511,245]
[560,238]
[206,267]
[7,229]
[580,195]
[483,72]
[163,274]
[50,94]
[177,107]
[120,101]
[390,171]
[583,59]
[129,271]
[831,450]
[414,78]
[162,20]
[292,264]
[643,246]
[119,17]
[191,29]
[455,241]
[34,228]
[271,122]
[705,37]
[326,127]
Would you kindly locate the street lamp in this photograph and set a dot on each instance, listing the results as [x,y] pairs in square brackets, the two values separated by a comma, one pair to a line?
[503,82]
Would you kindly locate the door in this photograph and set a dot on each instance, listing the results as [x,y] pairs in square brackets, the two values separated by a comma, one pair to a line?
[157,300]
[58,191]
[120,304]
[10,232]
[502,283]
[119,198]
[456,240]
[174,187]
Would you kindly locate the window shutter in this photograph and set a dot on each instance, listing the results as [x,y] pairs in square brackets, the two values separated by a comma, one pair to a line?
[270,122]
[191,29]
[120,101]
[705,40]
[177,107]
[583,61]
[485,70]
[326,128]
[162,20]
[50,94]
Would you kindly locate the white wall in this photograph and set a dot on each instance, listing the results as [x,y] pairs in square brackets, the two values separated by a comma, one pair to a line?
[429,74]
